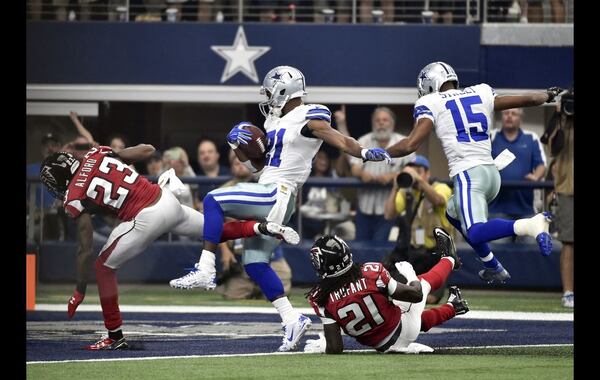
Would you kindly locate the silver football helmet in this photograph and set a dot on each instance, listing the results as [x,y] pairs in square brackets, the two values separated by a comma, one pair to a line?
[433,76]
[280,85]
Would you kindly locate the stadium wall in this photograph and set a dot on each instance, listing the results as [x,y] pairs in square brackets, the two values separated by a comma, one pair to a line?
[385,58]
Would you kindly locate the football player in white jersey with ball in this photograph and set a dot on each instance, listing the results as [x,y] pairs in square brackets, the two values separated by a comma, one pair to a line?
[295,131]
[462,121]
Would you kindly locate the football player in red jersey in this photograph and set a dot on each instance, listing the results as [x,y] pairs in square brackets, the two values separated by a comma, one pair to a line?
[369,305]
[103,182]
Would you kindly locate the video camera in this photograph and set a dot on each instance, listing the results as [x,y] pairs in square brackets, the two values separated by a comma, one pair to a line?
[567,103]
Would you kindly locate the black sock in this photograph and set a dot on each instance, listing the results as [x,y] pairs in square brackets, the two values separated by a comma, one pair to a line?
[116,335]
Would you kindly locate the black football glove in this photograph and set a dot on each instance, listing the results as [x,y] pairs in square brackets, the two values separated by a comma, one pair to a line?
[553,93]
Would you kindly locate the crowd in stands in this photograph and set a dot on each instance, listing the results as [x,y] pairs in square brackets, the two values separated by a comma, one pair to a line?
[291,11]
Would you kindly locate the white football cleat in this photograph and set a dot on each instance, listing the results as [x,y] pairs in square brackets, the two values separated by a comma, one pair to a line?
[293,332]
[284,233]
[197,278]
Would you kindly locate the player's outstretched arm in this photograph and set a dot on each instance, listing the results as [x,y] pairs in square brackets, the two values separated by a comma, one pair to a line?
[410,144]
[333,337]
[322,130]
[136,153]
[531,99]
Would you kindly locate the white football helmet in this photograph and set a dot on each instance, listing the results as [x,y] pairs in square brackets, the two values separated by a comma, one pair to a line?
[280,85]
[433,76]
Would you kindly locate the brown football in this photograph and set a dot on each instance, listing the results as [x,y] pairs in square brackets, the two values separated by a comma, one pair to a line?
[256,148]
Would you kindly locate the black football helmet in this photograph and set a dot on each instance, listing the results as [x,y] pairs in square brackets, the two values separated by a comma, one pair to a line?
[56,172]
[330,256]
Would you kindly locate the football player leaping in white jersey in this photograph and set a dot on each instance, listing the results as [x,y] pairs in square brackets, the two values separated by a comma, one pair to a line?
[461,119]
[295,131]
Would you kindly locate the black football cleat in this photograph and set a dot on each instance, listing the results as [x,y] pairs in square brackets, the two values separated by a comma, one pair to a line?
[445,246]
[459,304]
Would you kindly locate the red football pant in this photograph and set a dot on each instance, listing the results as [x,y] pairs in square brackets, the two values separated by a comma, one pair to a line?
[437,276]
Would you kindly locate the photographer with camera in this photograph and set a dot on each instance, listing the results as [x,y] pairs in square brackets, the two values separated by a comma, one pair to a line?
[420,206]
[559,136]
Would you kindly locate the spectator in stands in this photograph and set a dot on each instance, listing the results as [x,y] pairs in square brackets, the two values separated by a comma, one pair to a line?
[177,159]
[233,282]
[370,222]
[154,165]
[323,201]
[53,226]
[419,205]
[118,142]
[559,135]
[342,162]
[366,8]
[81,129]
[343,12]
[529,165]
[207,164]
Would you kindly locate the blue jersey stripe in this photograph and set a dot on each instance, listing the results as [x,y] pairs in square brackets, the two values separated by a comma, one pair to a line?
[319,110]
[469,195]
[261,195]
[248,202]
[318,117]
[421,110]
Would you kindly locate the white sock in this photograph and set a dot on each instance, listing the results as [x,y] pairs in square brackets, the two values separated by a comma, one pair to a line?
[207,260]
[255,227]
[527,226]
[286,310]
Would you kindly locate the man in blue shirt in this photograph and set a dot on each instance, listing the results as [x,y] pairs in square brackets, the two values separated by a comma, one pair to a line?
[529,164]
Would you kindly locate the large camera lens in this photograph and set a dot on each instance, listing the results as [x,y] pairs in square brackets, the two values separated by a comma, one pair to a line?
[567,103]
[404,180]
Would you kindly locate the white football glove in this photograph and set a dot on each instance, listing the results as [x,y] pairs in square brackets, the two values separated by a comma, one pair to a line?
[406,269]
[316,346]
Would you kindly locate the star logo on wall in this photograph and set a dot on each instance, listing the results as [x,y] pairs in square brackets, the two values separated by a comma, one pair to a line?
[240,57]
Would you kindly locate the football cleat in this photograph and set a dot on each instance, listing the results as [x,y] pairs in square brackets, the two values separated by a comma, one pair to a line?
[455,299]
[196,278]
[75,300]
[490,275]
[293,332]
[445,246]
[106,343]
[284,233]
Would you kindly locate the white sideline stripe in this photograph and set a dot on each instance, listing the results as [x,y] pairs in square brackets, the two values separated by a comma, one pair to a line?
[475,314]
[271,353]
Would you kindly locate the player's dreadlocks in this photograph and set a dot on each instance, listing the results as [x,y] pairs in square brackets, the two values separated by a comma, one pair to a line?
[320,292]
